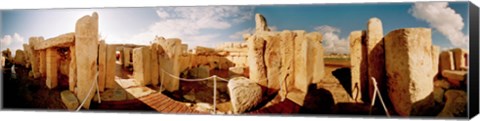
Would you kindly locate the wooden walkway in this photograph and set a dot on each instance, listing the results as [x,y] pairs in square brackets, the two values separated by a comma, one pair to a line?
[164,104]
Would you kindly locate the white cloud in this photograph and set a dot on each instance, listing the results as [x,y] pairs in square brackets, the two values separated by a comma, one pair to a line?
[13,42]
[239,35]
[332,42]
[442,18]
[187,23]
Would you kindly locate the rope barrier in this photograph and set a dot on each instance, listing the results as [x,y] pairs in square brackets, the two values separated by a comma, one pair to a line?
[377,92]
[90,91]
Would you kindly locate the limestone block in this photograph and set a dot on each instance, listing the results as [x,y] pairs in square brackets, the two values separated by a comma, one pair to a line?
[110,66]
[35,55]
[375,54]
[86,45]
[409,67]
[199,72]
[42,63]
[141,65]
[287,40]
[52,60]
[154,62]
[273,62]
[72,73]
[260,23]
[169,60]
[256,46]
[245,94]
[460,57]
[236,71]
[315,63]
[127,56]
[19,58]
[435,59]
[300,73]
[102,55]
[64,40]
[358,62]
[446,61]
[455,78]
[27,52]
[69,100]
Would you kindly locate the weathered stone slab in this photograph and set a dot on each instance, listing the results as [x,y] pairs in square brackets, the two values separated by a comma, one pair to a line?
[287,40]
[315,63]
[300,90]
[358,62]
[409,67]
[110,66]
[446,61]
[169,59]
[72,73]
[154,63]
[64,40]
[375,54]
[43,63]
[435,60]
[127,57]
[455,78]
[69,100]
[35,56]
[102,55]
[86,45]
[273,61]
[256,46]
[52,60]
[460,57]
[236,71]
[141,65]
[245,94]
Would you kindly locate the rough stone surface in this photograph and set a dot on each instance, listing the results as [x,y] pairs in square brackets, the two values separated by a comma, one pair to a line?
[64,40]
[72,73]
[110,66]
[236,71]
[154,64]
[455,78]
[42,63]
[316,65]
[169,60]
[52,67]
[287,40]
[435,60]
[244,94]
[375,54]
[446,61]
[257,66]
[199,72]
[102,68]
[260,23]
[301,81]
[127,57]
[34,56]
[69,99]
[460,57]
[86,45]
[409,67]
[358,62]
[456,104]
[20,58]
[141,65]
[273,62]
[28,54]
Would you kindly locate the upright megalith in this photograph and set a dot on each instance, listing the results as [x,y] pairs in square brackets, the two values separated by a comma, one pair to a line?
[102,54]
[86,45]
[72,73]
[446,61]
[52,61]
[256,51]
[110,65]
[273,62]
[375,54]
[358,62]
[154,62]
[460,57]
[261,23]
[316,65]
[142,65]
[170,64]
[42,63]
[127,57]
[409,68]
[435,60]
[287,69]
[34,56]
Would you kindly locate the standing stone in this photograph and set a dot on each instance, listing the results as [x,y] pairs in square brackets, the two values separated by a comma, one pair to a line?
[435,60]
[52,60]
[409,67]
[102,48]
[287,40]
[273,62]
[72,73]
[261,23]
[27,52]
[110,66]
[86,45]
[375,54]
[127,53]
[460,57]
[358,62]
[34,56]
[256,51]
[301,82]
[245,94]
[154,62]
[19,58]
[170,65]
[446,61]
[141,65]
[43,63]
[315,63]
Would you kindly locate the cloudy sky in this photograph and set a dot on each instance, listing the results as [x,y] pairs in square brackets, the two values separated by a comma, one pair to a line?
[212,25]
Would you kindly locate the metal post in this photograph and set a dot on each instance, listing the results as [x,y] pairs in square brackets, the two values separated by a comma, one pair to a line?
[214,94]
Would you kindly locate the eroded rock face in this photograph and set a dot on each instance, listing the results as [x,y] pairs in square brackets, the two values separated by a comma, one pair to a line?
[376,54]
[170,64]
[86,45]
[446,61]
[260,23]
[287,38]
[34,56]
[358,62]
[20,58]
[102,68]
[409,67]
[256,61]
[455,105]
[69,99]
[460,57]
[244,94]
[273,61]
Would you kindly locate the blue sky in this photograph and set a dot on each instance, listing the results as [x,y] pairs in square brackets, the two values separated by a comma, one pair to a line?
[212,25]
